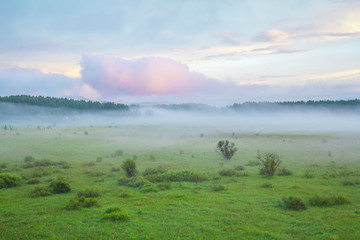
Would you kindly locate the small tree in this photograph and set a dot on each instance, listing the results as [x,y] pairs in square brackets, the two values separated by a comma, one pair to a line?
[226,149]
[129,166]
[269,162]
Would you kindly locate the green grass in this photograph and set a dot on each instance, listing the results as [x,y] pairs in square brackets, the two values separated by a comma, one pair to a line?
[243,209]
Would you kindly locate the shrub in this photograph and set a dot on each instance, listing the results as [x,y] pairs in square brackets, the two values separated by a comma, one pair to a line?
[82,202]
[252,163]
[228,172]
[115,214]
[323,201]
[40,172]
[226,149]
[152,157]
[164,186]
[89,193]
[129,166]
[269,163]
[89,164]
[133,182]
[284,172]
[348,183]
[99,159]
[218,188]
[115,169]
[33,181]
[29,159]
[27,165]
[309,173]
[149,188]
[239,168]
[118,153]
[41,192]
[125,194]
[152,171]
[60,186]
[182,176]
[267,185]
[293,203]
[9,180]
[43,163]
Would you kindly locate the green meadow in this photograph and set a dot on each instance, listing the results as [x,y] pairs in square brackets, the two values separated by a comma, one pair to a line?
[246,205]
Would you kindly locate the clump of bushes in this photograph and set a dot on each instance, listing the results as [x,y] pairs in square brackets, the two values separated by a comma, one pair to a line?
[218,188]
[252,163]
[323,201]
[164,186]
[116,214]
[99,159]
[154,171]
[89,164]
[118,153]
[309,173]
[133,182]
[82,202]
[89,193]
[239,168]
[267,185]
[9,180]
[129,166]
[228,172]
[29,159]
[40,172]
[149,188]
[125,194]
[293,203]
[115,169]
[269,163]
[41,191]
[60,186]
[226,149]
[349,183]
[27,165]
[33,181]
[284,172]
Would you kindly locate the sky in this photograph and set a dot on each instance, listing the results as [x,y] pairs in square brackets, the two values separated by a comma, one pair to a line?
[180,51]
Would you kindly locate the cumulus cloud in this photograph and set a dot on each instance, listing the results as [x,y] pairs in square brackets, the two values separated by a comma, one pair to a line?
[144,76]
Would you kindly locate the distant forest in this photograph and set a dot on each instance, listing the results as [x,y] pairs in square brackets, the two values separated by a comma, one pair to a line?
[63,103]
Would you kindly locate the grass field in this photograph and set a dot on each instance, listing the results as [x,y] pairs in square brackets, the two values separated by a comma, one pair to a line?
[220,207]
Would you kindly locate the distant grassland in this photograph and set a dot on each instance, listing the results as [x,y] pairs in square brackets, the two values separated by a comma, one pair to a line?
[244,209]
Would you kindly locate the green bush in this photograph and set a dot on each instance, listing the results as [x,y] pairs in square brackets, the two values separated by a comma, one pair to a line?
[348,183]
[293,203]
[60,186]
[41,192]
[181,176]
[309,173]
[152,171]
[164,186]
[269,163]
[125,194]
[129,166]
[82,202]
[133,182]
[267,185]
[89,193]
[284,172]
[9,180]
[115,214]
[218,188]
[239,168]
[115,169]
[43,163]
[252,163]
[323,201]
[228,172]
[226,149]
[118,153]
[149,188]
[40,172]
[33,181]
[27,165]
[29,159]
[99,159]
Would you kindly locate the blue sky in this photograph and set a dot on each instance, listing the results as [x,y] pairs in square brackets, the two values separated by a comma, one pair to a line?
[216,52]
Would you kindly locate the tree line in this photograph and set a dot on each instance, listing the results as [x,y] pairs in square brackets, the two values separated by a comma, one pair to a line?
[63,103]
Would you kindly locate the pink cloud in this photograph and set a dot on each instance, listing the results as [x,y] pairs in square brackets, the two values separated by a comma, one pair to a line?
[145,76]
[272,35]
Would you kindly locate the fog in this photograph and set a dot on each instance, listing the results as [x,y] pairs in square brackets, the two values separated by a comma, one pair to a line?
[207,119]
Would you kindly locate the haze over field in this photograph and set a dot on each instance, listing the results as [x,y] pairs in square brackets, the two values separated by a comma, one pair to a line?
[181,51]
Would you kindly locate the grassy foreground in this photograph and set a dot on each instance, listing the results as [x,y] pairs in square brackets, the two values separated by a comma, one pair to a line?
[220,207]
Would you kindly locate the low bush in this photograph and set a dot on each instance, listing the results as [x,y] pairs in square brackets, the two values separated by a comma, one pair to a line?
[60,186]
[89,164]
[228,172]
[181,176]
[252,163]
[40,172]
[323,201]
[267,185]
[115,214]
[82,202]
[43,163]
[9,180]
[124,194]
[293,203]
[115,169]
[349,183]
[89,193]
[309,173]
[239,168]
[41,192]
[152,171]
[33,181]
[133,182]
[27,165]
[164,186]
[148,188]
[218,188]
[29,159]
[129,166]
[99,159]
[284,172]
[118,153]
